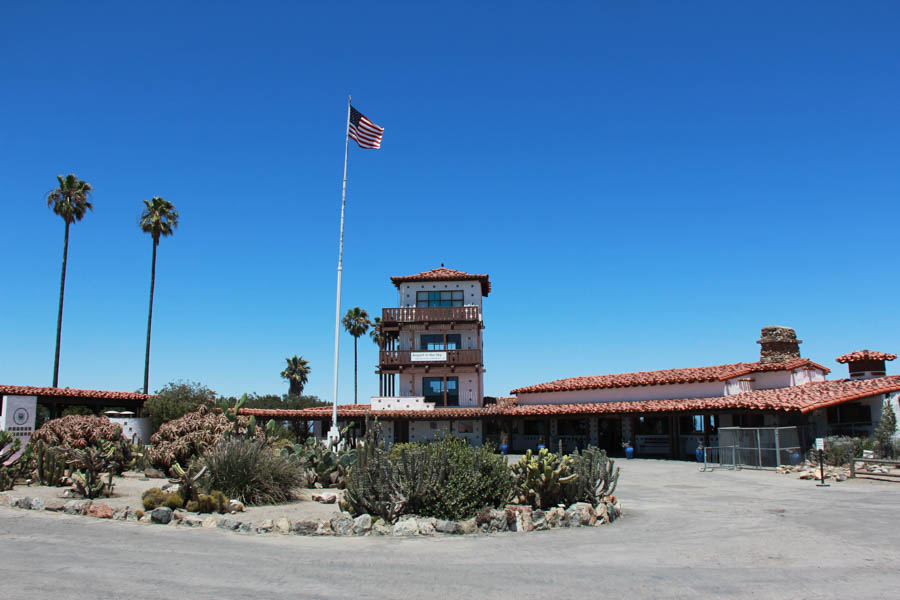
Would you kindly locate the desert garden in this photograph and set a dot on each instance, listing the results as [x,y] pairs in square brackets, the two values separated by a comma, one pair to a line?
[214,468]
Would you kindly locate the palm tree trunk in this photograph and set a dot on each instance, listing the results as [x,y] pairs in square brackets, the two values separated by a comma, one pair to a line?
[149,322]
[62,291]
[355,339]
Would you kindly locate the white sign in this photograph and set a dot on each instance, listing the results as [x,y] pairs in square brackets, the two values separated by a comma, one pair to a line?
[820,444]
[428,357]
[18,416]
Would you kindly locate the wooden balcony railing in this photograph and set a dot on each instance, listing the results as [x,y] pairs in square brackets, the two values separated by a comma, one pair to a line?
[431,314]
[408,358]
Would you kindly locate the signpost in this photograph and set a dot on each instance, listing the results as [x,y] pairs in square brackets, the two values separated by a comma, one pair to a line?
[820,450]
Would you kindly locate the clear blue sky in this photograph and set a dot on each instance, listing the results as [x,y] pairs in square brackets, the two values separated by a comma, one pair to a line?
[647,184]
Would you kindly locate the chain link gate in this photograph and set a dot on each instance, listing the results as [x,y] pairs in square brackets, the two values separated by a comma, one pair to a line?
[753,447]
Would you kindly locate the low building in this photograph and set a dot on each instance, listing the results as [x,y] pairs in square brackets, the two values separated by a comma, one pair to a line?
[431,383]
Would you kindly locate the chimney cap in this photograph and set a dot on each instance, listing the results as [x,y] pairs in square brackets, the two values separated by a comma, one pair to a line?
[860,355]
[778,333]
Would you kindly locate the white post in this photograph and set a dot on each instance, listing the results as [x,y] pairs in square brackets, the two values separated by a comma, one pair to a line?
[334,433]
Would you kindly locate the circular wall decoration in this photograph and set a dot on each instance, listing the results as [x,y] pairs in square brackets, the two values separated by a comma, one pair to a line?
[20,416]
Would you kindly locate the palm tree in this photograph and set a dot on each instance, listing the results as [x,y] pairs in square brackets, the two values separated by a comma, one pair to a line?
[297,373]
[69,201]
[357,323]
[377,335]
[159,219]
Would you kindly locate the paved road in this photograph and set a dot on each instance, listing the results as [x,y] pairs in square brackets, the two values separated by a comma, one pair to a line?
[686,534]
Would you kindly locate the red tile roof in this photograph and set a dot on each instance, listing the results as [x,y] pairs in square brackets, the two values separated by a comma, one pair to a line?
[801,398]
[663,377]
[444,274]
[27,390]
[865,355]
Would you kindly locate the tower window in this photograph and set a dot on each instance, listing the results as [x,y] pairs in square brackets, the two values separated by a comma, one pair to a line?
[449,298]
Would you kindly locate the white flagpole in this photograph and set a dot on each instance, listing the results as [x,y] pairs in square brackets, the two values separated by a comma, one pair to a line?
[334,433]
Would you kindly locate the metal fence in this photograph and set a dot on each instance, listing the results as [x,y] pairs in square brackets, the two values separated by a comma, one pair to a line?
[753,447]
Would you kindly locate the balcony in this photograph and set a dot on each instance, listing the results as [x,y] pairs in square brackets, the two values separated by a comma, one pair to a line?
[394,360]
[394,317]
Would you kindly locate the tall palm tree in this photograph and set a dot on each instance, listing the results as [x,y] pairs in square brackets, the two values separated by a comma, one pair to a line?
[159,219]
[69,201]
[297,374]
[357,323]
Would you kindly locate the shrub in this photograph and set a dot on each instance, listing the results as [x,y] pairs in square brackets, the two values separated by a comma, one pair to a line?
[447,479]
[190,436]
[884,432]
[78,431]
[174,501]
[247,470]
[153,498]
[839,449]
[177,399]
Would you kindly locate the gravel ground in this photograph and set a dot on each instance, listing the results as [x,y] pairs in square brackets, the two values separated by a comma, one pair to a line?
[685,534]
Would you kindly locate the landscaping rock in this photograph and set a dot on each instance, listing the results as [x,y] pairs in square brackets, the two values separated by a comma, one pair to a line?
[342,524]
[492,519]
[539,520]
[235,506]
[581,514]
[266,526]
[192,521]
[154,474]
[555,516]
[100,511]
[602,513]
[245,527]
[283,525]
[362,524]
[54,505]
[426,526]
[325,498]
[178,515]
[36,504]
[382,527]
[451,527]
[145,518]
[120,514]
[405,527]
[324,528]
[305,527]
[229,524]
[19,502]
[468,526]
[76,507]
[161,515]
[210,522]
[519,518]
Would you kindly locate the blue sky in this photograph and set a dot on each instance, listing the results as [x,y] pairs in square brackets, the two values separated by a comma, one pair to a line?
[647,183]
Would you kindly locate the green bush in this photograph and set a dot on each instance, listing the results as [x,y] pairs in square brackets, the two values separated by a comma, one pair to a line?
[176,399]
[447,479]
[247,470]
[174,501]
[153,498]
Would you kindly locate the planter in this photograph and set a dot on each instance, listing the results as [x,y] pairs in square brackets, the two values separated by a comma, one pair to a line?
[629,452]
[795,458]
[504,449]
[699,453]
[541,447]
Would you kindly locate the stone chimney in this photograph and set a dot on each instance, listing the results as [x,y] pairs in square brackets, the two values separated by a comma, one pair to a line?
[778,345]
[866,364]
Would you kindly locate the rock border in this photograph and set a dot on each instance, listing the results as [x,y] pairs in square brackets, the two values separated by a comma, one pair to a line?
[513,518]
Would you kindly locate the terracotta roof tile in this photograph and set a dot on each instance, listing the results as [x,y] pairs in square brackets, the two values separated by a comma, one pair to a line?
[865,355]
[27,390]
[663,377]
[801,398]
[444,274]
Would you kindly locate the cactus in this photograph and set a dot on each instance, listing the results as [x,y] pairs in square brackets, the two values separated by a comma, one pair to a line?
[89,463]
[540,479]
[597,477]
[188,481]
[50,463]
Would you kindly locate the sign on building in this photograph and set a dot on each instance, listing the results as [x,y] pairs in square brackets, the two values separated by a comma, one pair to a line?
[18,416]
[428,357]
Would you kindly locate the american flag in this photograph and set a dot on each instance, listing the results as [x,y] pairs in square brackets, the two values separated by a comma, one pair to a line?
[366,133]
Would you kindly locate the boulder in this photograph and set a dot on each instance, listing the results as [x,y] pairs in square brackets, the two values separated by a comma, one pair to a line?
[305,527]
[324,528]
[4,499]
[145,518]
[120,514]
[245,527]
[342,524]
[581,514]
[602,513]
[101,511]
[283,525]
[235,506]
[426,526]
[265,526]
[492,519]
[468,526]
[36,504]
[382,527]
[55,505]
[442,526]
[519,518]
[77,507]
[405,527]
[19,502]
[539,520]
[210,522]
[325,498]
[192,521]
[161,515]
[229,524]
[362,524]
[154,474]
[555,516]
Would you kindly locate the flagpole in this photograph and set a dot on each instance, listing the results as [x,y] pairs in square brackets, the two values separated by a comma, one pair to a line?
[334,433]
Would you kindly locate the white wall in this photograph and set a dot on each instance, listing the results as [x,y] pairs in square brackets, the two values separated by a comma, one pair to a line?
[469,384]
[423,431]
[135,429]
[708,389]
[18,416]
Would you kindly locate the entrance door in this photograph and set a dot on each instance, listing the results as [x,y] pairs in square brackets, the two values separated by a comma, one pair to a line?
[609,436]
[401,432]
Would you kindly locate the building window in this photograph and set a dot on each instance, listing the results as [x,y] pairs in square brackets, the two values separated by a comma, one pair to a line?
[571,427]
[436,341]
[466,427]
[443,391]
[451,298]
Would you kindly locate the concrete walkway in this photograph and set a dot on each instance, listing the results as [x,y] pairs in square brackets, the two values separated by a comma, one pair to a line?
[686,534]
